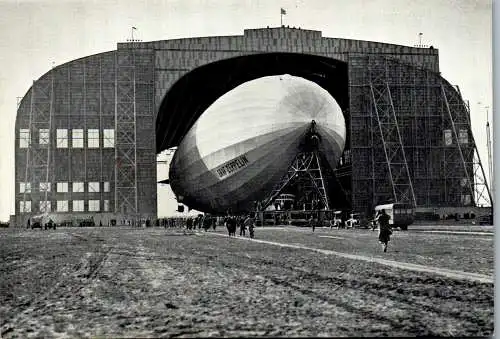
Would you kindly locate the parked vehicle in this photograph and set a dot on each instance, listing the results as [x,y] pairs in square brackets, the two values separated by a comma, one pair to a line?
[42,221]
[401,215]
[485,219]
[50,225]
[353,221]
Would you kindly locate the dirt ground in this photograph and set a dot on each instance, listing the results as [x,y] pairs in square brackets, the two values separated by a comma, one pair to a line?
[155,282]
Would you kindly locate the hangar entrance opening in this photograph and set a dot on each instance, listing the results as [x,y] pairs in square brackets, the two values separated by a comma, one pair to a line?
[184,104]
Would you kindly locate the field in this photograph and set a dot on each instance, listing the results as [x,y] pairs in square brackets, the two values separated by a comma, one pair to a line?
[155,282]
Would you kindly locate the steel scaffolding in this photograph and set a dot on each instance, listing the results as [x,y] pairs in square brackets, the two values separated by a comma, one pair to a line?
[397,166]
[306,169]
[410,138]
[473,179]
[125,126]
[38,155]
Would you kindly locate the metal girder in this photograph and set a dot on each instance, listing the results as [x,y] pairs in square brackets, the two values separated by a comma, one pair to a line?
[468,154]
[306,165]
[397,166]
[459,149]
[38,164]
[126,133]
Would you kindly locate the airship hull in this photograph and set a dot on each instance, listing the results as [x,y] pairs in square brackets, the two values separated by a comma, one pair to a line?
[243,144]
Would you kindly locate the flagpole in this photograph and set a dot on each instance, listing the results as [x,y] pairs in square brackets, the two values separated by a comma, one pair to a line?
[281,15]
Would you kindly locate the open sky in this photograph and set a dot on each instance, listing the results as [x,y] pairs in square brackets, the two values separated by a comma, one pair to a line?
[36,34]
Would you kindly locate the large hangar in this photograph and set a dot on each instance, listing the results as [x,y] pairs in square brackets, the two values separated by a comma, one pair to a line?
[88,131]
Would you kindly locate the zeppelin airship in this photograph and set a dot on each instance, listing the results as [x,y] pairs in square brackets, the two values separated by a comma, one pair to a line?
[243,144]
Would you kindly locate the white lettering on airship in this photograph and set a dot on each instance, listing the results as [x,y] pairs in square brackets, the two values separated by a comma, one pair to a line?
[232,166]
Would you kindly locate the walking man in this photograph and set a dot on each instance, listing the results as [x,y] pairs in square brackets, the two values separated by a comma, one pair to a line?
[384,235]
[249,222]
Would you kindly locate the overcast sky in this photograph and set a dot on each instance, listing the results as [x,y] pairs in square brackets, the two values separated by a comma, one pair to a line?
[34,34]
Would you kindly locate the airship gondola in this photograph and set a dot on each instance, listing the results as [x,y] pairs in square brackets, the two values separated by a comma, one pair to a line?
[243,144]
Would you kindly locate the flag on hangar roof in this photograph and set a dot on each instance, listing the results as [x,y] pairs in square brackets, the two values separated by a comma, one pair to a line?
[283,11]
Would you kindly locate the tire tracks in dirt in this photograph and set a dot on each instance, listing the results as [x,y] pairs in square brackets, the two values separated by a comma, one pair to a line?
[386,290]
[383,288]
[62,287]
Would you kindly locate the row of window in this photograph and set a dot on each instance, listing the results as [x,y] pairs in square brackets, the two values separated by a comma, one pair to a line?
[463,137]
[77,138]
[63,206]
[62,187]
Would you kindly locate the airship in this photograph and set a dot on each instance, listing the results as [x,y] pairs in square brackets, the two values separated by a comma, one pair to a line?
[242,145]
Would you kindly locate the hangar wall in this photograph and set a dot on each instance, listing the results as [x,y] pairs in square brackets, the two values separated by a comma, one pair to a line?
[175,58]
[91,149]
[411,139]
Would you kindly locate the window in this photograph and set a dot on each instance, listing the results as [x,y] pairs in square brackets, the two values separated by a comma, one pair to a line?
[24,206]
[448,139]
[24,138]
[106,205]
[78,187]
[45,187]
[463,136]
[93,187]
[62,138]
[62,187]
[109,138]
[106,186]
[93,205]
[78,206]
[62,205]
[93,138]
[44,137]
[77,138]
[44,206]
[24,187]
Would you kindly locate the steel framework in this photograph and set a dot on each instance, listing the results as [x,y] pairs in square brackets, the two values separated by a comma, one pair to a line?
[411,131]
[305,168]
[38,155]
[397,166]
[473,180]
[125,126]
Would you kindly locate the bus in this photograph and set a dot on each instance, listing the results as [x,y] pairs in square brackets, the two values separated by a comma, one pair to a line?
[401,215]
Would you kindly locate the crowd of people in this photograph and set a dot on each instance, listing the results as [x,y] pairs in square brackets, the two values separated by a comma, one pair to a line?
[207,222]
[247,223]
[244,223]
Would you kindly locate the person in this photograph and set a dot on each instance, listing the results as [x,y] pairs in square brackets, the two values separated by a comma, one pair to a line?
[384,235]
[241,223]
[189,224]
[250,224]
[231,225]
[206,223]
[232,222]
